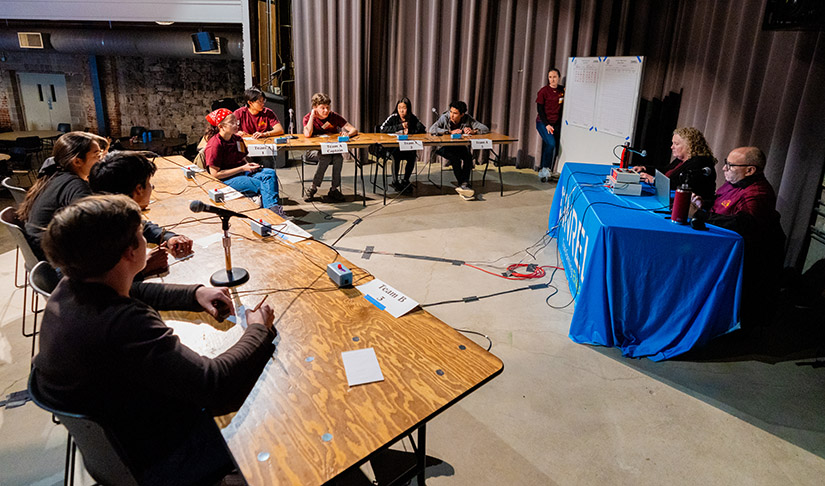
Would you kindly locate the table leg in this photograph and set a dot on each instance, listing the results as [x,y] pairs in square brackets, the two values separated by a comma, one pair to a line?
[421,453]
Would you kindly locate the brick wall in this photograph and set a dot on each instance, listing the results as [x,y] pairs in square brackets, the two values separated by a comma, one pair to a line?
[173,95]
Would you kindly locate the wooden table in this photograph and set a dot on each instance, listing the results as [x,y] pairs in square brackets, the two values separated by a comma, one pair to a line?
[302,424]
[44,134]
[364,140]
[5,156]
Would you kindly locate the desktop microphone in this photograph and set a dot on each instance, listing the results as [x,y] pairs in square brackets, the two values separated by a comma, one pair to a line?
[199,206]
[279,70]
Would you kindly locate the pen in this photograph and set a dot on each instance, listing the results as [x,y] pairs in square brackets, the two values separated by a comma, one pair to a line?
[260,303]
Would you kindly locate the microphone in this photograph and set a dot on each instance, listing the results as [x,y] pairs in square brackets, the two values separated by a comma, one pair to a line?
[705,171]
[435,112]
[291,124]
[643,153]
[199,206]
[279,70]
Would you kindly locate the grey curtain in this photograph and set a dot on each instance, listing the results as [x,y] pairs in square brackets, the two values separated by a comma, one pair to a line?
[740,85]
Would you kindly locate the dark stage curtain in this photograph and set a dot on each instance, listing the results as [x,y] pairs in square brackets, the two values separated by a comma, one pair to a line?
[740,85]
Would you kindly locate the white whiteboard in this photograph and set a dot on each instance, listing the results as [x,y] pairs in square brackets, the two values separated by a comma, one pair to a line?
[601,100]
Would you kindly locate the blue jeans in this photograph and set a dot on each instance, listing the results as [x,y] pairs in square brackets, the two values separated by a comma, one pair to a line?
[263,182]
[548,151]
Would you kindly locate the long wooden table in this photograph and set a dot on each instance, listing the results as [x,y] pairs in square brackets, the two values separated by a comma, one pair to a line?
[364,140]
[302,424]
[45,134]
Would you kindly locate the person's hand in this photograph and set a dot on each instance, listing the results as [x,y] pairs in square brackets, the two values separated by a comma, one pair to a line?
[156,261]
[251,167]
[647,177]
[258,135]
[695,200]
[241,133]
[550,129]
[215,301]
[179,246]
[638,168]
[265,316]
[457,130]
[468,130]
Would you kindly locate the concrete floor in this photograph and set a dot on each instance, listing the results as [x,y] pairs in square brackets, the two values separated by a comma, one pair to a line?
[738,412]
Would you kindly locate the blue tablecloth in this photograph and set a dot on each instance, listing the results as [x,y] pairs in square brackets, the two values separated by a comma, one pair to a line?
[641,282]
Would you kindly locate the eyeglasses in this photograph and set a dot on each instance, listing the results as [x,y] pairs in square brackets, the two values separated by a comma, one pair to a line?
[233,124]
[728,165]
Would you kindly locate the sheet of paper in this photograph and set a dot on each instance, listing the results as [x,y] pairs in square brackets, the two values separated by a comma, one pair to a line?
[291,232]
[481,143]
[205,339]
[387,298]
[229,193]
[208,240]
[361,366]
[262,149]
[408,145]
[334,148]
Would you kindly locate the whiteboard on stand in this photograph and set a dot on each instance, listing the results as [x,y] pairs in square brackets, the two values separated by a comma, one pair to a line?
[601,101]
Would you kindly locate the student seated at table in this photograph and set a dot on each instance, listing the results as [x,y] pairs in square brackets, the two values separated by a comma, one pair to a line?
[130,173]
[47,167]
[402,121]
[321,121]
[255,119]
[63,182]
[456,120]
[693,163]
[112,357]
[225,157]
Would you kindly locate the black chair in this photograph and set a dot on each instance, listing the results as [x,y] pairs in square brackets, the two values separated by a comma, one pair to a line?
[102,454]
[20,163]
[64,127]
[378,155]
[43,278]
[136,131]
[19,194]
[8,218]
[32,145]
[156,134]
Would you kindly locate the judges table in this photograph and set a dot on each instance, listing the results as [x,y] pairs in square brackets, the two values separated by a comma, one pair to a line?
[302,424]
[364,140]
[641,282]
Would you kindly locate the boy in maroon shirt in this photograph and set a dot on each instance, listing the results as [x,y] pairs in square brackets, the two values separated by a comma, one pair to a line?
[321,121]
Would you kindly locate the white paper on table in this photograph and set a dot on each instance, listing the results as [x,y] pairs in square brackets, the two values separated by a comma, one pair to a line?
[334,148]
[194,168]
[361,366]
[409,145]
[481,143]
[205,339]
[208,240]
[387,298]
[294,232]
[262,149]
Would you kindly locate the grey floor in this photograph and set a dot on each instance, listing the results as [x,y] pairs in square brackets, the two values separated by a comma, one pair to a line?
[748,412]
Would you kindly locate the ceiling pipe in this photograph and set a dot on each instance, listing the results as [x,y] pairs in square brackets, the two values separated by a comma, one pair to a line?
[140,43]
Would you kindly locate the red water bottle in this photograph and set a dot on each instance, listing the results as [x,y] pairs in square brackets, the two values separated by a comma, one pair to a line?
[681,205]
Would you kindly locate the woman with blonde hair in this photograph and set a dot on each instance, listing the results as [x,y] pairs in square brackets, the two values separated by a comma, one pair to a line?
[693,163]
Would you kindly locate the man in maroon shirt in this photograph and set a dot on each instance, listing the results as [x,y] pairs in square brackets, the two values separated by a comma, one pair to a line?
[746,204]
[255,119]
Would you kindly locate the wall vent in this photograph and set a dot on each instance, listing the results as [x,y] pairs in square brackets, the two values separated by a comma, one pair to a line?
[30,40]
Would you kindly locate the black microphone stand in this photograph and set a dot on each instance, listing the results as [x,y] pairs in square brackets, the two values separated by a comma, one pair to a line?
[230,277]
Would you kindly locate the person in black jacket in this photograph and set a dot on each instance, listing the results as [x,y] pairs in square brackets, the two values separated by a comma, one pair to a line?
[693,164]
[107,353]
[402,121]
[130,173]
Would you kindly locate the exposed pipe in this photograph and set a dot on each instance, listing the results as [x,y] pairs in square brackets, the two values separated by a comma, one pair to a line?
[140,43]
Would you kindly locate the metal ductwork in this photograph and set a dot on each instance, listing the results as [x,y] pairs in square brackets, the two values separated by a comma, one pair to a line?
[140,43]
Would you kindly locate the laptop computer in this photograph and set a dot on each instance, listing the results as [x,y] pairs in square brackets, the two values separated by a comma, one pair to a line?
[662,185]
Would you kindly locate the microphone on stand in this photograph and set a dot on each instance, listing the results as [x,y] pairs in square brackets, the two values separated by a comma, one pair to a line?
[200,206]
[291,124]
[277,71]
[230,276]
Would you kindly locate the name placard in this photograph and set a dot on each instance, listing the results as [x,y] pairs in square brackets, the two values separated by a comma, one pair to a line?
[334,148]
[408,145]
[387,298]
[262,149]
[481,143]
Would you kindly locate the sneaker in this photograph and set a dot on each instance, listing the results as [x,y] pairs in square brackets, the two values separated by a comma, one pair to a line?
[279,210]
[309,193]
[257,200]
[335,195]
[464,191]
[544,174]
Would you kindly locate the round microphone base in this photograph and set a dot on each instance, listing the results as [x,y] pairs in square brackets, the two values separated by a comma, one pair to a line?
[231,278]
